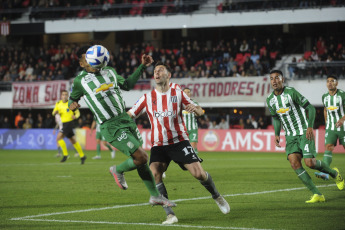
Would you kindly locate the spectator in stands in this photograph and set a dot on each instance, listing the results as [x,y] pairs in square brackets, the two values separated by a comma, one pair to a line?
[48,122]
[261,123]
[27,124]
[244,46]
[241,123]
[6,123]
[254,122]
[251,71]
[31,121]
[255,56]
[39,122]
[213,125]
[292,68]
[223,124]
[17,119]
[248,124]
[21,123]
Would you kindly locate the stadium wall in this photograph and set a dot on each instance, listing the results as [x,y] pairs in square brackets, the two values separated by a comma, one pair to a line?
[277,17]
[233,140]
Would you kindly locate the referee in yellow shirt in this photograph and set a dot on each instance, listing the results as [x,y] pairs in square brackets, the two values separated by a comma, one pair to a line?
[67,118]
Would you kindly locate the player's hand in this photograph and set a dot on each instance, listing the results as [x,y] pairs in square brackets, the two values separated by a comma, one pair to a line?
[190,108]
[74,106]
[310,134]
[339,123]
[146,60]
[277,141]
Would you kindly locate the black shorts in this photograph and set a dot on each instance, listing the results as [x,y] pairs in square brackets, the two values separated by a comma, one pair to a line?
[67,129]
[181,153]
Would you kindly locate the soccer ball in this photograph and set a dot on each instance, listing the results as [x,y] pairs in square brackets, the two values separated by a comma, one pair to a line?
[97,56]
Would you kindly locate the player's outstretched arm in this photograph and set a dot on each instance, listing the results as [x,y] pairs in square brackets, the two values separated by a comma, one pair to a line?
[73,105]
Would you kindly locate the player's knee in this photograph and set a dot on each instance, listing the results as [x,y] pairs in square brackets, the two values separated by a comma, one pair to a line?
[310,164]
[330,147]
[295,165]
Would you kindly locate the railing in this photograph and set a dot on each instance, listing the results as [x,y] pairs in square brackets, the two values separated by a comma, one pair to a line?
[313,70]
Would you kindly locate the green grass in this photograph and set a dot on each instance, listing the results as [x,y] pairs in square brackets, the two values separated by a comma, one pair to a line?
[34,182]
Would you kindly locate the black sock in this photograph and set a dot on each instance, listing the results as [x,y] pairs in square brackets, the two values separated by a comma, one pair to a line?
[162,190]
[209,185]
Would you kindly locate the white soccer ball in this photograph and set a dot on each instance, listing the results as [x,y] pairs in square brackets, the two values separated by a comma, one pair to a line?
[97,56]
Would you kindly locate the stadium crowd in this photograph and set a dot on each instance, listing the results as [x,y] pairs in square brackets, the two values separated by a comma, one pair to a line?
[189,59]
[316,62]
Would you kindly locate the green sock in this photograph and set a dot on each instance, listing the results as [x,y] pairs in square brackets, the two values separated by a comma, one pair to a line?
[109,147]
[148,179]
[305,178]
[323,167]
[98,150]
[327,157]
[126,166]
[196,151]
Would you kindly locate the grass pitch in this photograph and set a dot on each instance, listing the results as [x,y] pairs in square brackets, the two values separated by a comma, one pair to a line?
[38,192]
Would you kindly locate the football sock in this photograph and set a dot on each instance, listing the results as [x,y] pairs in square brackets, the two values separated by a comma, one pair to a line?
[148,179]
[162,190]
[126,166]
[305,178]
[323,167]
[327,157]
[98,149]
[59,150]
[209,185]
[109,147]
[79,149]
[63,147]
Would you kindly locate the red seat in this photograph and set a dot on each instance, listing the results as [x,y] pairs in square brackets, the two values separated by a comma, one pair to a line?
[307,54]
[273,55]
[236,127]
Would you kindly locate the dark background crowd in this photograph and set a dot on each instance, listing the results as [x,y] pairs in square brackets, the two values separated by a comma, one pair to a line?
[191,59]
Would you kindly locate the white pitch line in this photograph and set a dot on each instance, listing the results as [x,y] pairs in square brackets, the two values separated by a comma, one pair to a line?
[179,200]
[143,224]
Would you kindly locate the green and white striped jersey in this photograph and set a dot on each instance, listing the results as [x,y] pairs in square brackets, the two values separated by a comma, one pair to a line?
[190,120]
[335,106]
[289,108]
[101,92]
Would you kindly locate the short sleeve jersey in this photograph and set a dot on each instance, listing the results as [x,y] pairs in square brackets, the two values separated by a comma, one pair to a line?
[335,109]
[101,92]
[190,120]
[66,115]
[289,107]
[165,114]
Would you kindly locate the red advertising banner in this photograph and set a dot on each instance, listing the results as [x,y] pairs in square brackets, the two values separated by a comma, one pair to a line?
[37,94]
[234,140]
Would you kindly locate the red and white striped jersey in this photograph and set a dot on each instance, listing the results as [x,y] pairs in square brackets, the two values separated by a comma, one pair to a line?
[165,113]
[175,86]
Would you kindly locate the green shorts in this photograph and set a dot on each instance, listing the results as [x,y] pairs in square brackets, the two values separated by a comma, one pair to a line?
[300,144]
[99,136]
[193,136]
[331,137]
[122,133]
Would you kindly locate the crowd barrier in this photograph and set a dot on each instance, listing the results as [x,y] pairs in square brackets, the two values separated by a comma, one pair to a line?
[233,140]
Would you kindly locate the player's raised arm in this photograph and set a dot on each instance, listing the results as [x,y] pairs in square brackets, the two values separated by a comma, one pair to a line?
[129,83]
